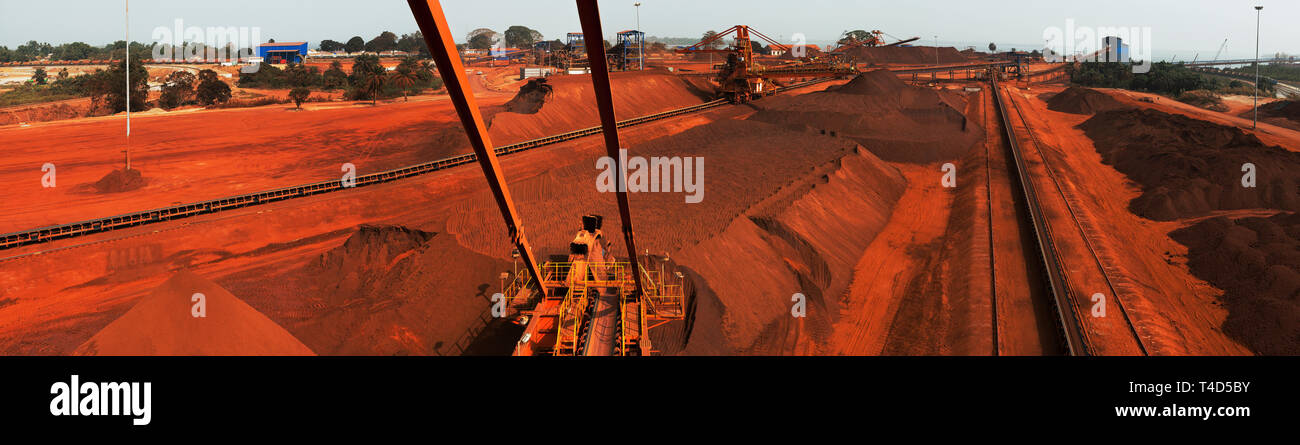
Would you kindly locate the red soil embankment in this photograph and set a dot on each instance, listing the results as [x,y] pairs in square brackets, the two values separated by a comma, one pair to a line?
[1188,167]
[52,111]
[805,240]
[165,324]
[1256,263]
[1283,113]
[907,55]
[572,104]
[1079,100]
[896,121]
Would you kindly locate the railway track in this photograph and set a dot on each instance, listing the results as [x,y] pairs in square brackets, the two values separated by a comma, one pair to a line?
[1082,225]
[83,228]
[1072,329]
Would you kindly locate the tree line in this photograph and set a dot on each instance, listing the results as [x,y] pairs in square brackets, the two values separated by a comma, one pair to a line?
[385,41]
[368,80]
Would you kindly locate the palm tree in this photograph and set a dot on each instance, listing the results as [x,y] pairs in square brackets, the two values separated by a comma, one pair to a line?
[373,86]
[403,80]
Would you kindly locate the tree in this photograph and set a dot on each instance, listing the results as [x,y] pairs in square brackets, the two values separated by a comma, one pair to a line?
[334,77]
[331,46]
[413,43]
[386,41]
[481,38]
[993,47]
[712,45]
[39,76]
[111,86]
[179,88]
[362,67]
[63,74]
[299,95]
[355,45]
[403,80]
[857,35]
[211,89]
[522,37]
[373,86]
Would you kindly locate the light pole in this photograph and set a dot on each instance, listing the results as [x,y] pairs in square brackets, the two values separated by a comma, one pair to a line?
[641,36]
[1255,121]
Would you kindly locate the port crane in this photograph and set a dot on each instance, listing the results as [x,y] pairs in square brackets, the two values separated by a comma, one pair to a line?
[741,79]
[589,302]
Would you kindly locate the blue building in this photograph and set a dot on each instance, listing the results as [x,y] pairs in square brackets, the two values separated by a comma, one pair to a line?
[287,52]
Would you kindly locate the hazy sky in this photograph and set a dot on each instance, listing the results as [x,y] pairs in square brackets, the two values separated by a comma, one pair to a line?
[1182,27]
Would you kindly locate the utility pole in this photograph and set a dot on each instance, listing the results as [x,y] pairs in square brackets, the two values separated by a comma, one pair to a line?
[1255,122]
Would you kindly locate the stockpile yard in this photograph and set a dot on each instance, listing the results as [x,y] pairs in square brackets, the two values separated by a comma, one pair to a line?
[729,197]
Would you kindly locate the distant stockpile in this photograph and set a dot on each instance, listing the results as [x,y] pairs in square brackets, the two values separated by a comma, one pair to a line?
[895,121]
[1079,100]
[1256,263]
[907,55]
[570,104]
[1188,167]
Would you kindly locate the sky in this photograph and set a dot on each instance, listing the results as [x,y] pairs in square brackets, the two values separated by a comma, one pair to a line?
[1179,28]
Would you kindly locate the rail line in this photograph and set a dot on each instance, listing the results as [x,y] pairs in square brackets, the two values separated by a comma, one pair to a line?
[99,225]
[1058,284]
[1083,230]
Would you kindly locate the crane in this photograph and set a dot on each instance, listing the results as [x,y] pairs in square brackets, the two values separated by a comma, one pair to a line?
[741,79]
[874,40]
[1221,48]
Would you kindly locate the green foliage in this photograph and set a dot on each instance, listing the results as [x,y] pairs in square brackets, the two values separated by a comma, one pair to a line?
[1164,78]
[334,77]
[178,90]
[111,86]
[413,43]
[211,89]
[331,46]
[386,41]
[521,37]
[295,75]
[30,94]
[1276,71]
[39,76]
[355,45]
[299,95]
